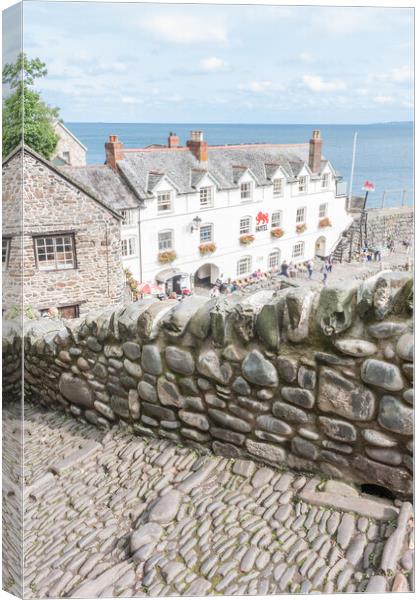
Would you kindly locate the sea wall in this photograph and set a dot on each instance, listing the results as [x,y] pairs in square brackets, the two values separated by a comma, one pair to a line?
[319,380]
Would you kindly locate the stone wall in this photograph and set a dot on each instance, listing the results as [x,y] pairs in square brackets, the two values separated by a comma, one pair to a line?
[318,380]
[69,144]
[53,205]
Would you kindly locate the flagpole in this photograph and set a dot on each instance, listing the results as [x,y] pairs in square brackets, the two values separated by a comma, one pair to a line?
[352,168]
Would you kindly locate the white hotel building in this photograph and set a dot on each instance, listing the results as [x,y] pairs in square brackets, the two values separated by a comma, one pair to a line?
[221,211]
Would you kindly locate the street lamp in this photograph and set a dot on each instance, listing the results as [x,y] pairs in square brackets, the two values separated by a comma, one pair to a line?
[196,222]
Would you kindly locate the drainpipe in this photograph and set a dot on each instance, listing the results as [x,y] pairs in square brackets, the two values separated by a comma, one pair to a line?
[107,256]
[140,255]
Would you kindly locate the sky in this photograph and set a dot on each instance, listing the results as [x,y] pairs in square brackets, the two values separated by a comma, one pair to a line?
[222,64]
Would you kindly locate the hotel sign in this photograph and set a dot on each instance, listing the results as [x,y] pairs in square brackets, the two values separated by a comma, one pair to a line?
[262,221]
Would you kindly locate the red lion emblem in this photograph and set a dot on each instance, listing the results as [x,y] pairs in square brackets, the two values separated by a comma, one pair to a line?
[262,218]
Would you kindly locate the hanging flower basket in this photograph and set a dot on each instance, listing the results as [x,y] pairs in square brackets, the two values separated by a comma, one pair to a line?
[277,232]
[301,228]
[207,248]
[167,256]
[246,239]
[325,222]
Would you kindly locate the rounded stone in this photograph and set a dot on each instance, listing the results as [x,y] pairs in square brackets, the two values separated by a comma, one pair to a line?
[76,390]
[307,378]
[258,370]
[395,416]
[354,347]
[131,350]
[386,330]
[303,398]
[168,393]
[338,430]
[288,368]
[179,360]
[132,368]
[150,360]
[405,347]
[382,374]
[289,413]
[409,396]
[195,420]
[304,448]
[242,387]
[147,392]
[384,455]
[377,438]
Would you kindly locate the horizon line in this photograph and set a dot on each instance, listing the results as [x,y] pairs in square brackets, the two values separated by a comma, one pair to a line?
[226,123]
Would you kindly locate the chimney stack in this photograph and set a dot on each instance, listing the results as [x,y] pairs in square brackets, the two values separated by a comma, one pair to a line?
[315,151]
[173,140]
[114,151]
[198,146]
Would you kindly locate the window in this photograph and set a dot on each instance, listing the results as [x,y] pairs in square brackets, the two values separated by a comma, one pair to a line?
[300,215]
[165,240]
[206,234]
[5,251]
[297,251]
[276,218]
[66,157]
[164,202]
[278,187]
[246,189]
[245,225]
[323,210]
[128,217]
[128,246]
[274,259]
[325,181]
[302,183]
[206,197]
[55,252]
[244,266]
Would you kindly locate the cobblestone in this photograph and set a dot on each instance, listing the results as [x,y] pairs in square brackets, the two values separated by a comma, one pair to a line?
[145,517]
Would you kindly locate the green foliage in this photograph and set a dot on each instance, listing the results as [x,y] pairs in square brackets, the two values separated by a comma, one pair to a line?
[25,115]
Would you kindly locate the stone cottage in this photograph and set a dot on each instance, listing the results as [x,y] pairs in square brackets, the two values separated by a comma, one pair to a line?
[61,240]
[70,150]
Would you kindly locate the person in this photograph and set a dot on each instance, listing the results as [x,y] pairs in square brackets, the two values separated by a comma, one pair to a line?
[324,271]
[330,264]
[284,269]
[310,268]
[292,269]
[173,296]
[215,292]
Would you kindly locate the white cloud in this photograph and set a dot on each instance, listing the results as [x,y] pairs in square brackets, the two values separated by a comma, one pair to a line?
[318,84]
[212,64]
[260,87]
[130,100]
[402,74]
[185,29]
[306,57]
[383,99]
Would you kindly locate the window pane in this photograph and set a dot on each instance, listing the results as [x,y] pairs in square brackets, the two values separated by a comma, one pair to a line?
[165,240]
[276,218]
[206,233]
[245,225]
[54,252]
[278,187]
[206,197]
[245,190]
[164,203]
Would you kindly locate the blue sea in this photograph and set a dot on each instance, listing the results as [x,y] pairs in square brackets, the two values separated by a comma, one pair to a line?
[384,152]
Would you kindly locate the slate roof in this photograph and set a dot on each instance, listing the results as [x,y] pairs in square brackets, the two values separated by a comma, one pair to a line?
[225,164]
[105,183]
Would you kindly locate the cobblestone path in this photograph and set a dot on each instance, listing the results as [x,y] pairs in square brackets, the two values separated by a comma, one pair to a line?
[109,514]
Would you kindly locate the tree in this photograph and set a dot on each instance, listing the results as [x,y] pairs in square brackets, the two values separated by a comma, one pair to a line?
[25,115]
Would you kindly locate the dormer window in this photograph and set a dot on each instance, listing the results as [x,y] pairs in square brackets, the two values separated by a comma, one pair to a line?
[206,197]
[302,183]
[164,202]
[278,187]
[246,190]
[128,217]
[325,181]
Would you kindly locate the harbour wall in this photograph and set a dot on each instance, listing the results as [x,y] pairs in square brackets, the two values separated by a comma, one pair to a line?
[318,380]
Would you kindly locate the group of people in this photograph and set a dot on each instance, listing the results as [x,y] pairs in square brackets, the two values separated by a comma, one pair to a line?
[290,270]
[368,254]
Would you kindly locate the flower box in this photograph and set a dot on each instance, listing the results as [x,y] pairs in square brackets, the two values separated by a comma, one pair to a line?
[167,256]
[277,232]
[301,228]
[207,248]
[247,238]
[325,222]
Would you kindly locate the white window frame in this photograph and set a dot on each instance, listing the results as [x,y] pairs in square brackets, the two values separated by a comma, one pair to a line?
[276,218]
[300,215]
[246,191]
[50,246]
[209,227]
[128,216]
[129,246]
[279,184]
[162,244]
[298,250]
[244,266]
[323,210]
[302,184]
[325,181]
[274,254]
[206,197]
[164,202]
[245,229]
[5,252]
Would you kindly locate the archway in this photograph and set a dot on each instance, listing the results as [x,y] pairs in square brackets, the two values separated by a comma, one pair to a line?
[206,274]
[321,247]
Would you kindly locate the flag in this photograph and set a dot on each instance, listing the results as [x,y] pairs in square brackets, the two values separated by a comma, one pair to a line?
[368,186]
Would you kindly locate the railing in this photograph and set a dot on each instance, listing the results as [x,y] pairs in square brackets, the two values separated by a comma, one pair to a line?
[400,196]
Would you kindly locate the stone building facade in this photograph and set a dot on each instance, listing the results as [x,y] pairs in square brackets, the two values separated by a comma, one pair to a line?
[71,244]
[70,150]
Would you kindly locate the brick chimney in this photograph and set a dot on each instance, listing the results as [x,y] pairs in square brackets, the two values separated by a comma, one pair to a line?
[198,146]
[114,151]
[315,151]
[173,140]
